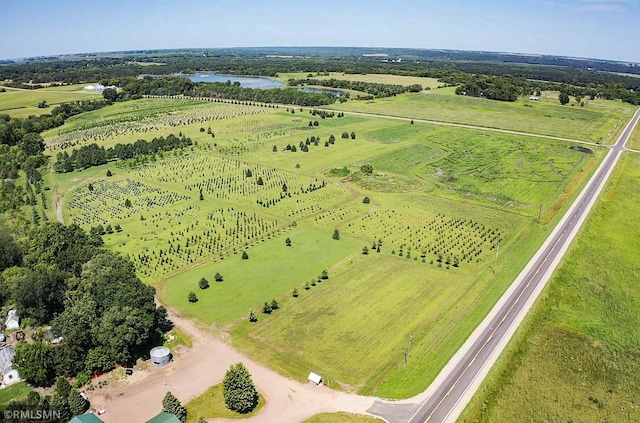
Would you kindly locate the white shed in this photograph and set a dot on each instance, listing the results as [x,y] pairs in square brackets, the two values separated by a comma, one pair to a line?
[315,379]
[13,321]
[9,374]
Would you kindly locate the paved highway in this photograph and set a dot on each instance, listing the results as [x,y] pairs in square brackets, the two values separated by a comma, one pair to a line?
[458,381]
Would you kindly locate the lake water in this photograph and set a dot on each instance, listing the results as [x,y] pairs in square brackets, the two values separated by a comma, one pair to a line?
[319,91]
[245,81]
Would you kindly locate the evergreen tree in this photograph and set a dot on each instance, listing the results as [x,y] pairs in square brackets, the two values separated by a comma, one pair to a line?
[109,172]
[252,316]
[336,234]
[239,392]
[61,405]
[266,309]
[259,181]
[245,256]
[171,405]
[192,297]
[63,387]
[274,304]
[203,284]
[218,277]
[77,404]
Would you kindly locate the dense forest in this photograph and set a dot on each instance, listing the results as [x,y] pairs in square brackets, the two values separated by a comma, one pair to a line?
[61,277]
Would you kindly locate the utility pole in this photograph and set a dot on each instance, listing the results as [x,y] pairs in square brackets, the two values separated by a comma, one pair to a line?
[540,213]
[406,355]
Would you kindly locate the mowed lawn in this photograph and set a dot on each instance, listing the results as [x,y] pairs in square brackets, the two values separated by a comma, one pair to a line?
[577,358]
[24,103]
[354,328]
[590,123]
[634,139]
[272,271]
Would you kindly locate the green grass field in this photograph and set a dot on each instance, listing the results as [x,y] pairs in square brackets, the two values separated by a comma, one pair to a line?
[17,392]
[211,405]
[271,271]
[576,358]
[24,103]
[373,78]
[594,122]
[634,140]
[341,418]
[441,199]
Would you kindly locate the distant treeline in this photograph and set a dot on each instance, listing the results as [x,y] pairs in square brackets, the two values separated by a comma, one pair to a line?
[134,88]
[454,68]
[13,129]
[374,89]
[95,155]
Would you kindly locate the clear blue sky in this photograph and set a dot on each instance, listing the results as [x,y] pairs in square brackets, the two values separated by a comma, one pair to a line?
[603,29]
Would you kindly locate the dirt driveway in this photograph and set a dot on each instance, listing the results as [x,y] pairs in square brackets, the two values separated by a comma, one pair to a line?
[193,371]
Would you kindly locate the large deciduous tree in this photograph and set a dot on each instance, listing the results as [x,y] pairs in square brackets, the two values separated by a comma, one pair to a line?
[34,362]
[40,294]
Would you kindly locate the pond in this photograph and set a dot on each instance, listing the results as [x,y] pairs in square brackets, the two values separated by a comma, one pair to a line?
[245,81]
[321,91]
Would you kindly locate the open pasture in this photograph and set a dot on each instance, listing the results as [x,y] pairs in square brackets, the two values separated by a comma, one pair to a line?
[21,103]
[372,77]
[578,350]
[354,328]
[509,171]
[589,123]
[272,270]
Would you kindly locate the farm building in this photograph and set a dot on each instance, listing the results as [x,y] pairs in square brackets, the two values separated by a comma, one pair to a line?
[160,356]
[9,374]
[13,321]
[164,418]
[99,87]
[86,418]
[315,379]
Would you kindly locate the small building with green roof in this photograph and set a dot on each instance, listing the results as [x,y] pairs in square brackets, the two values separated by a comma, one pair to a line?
[86,418]
[164,418]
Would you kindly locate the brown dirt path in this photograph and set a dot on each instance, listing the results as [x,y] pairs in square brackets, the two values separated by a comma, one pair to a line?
[193,371]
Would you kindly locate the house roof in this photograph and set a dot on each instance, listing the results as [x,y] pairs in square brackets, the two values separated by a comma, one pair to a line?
[86,418]
[6,355]
[164,418]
